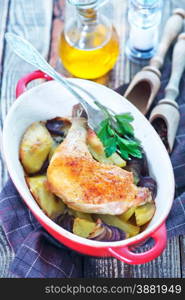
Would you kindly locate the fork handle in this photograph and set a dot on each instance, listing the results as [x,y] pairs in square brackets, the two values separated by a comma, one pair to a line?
[95,115]
[172,28]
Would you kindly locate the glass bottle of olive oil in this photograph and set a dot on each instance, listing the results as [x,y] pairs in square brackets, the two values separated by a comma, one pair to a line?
[89,44]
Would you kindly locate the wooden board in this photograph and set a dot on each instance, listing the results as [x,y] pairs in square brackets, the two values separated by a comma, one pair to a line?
[182,253]
[4,5]
[4,19]
[32,20]
[29,25]
[170,260]
[165,266]
[5,251]
[174,4]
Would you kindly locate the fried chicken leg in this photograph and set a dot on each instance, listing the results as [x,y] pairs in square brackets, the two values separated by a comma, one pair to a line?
[87,185]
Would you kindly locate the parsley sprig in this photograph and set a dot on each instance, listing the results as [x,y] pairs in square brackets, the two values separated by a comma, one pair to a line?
[117,135]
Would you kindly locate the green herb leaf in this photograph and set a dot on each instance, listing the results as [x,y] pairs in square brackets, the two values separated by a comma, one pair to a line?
[117,134]
[127,117]
[110,146]
[136,153]
[130,146]
[110,131]
[124,153]
[103,133]
[128,143]
[124,124]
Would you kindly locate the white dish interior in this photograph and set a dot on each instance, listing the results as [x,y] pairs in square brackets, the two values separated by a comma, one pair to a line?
[49,100]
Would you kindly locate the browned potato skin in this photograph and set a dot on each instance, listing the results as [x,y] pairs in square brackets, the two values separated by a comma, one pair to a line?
[50,204]
[35,147]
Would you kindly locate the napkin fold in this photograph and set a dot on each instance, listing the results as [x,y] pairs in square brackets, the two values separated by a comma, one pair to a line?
[38,255]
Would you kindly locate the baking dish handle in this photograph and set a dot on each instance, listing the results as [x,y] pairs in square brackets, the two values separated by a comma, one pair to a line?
[126,255]
[23,82]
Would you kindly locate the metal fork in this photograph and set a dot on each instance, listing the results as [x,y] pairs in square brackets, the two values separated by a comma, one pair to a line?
[27,52]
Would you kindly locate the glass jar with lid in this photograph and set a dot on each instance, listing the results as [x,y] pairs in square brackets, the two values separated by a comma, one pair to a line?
[144,17]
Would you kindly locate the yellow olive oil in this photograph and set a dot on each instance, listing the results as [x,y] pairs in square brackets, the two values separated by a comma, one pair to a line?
[93,61]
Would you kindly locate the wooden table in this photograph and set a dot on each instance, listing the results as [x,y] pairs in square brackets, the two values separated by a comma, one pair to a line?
[41,23]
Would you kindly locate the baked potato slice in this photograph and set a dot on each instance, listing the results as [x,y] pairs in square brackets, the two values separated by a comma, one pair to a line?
[52,150]
[35,147]
[128,214]
[83,227]
[96,149]
[130,229]
[49,203]
[144,213]
[79,214]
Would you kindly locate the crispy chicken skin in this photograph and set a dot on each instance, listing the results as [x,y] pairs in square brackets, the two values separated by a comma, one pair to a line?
[87,185]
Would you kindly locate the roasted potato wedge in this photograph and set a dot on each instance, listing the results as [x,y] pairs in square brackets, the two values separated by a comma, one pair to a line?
[97,151]
[130,229]
[79,214]
[53,148]
[35,147]
[83,227]
[51,205]
[128,214]
[144,213]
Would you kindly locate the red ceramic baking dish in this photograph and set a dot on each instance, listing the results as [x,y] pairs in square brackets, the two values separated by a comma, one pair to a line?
[50,99]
